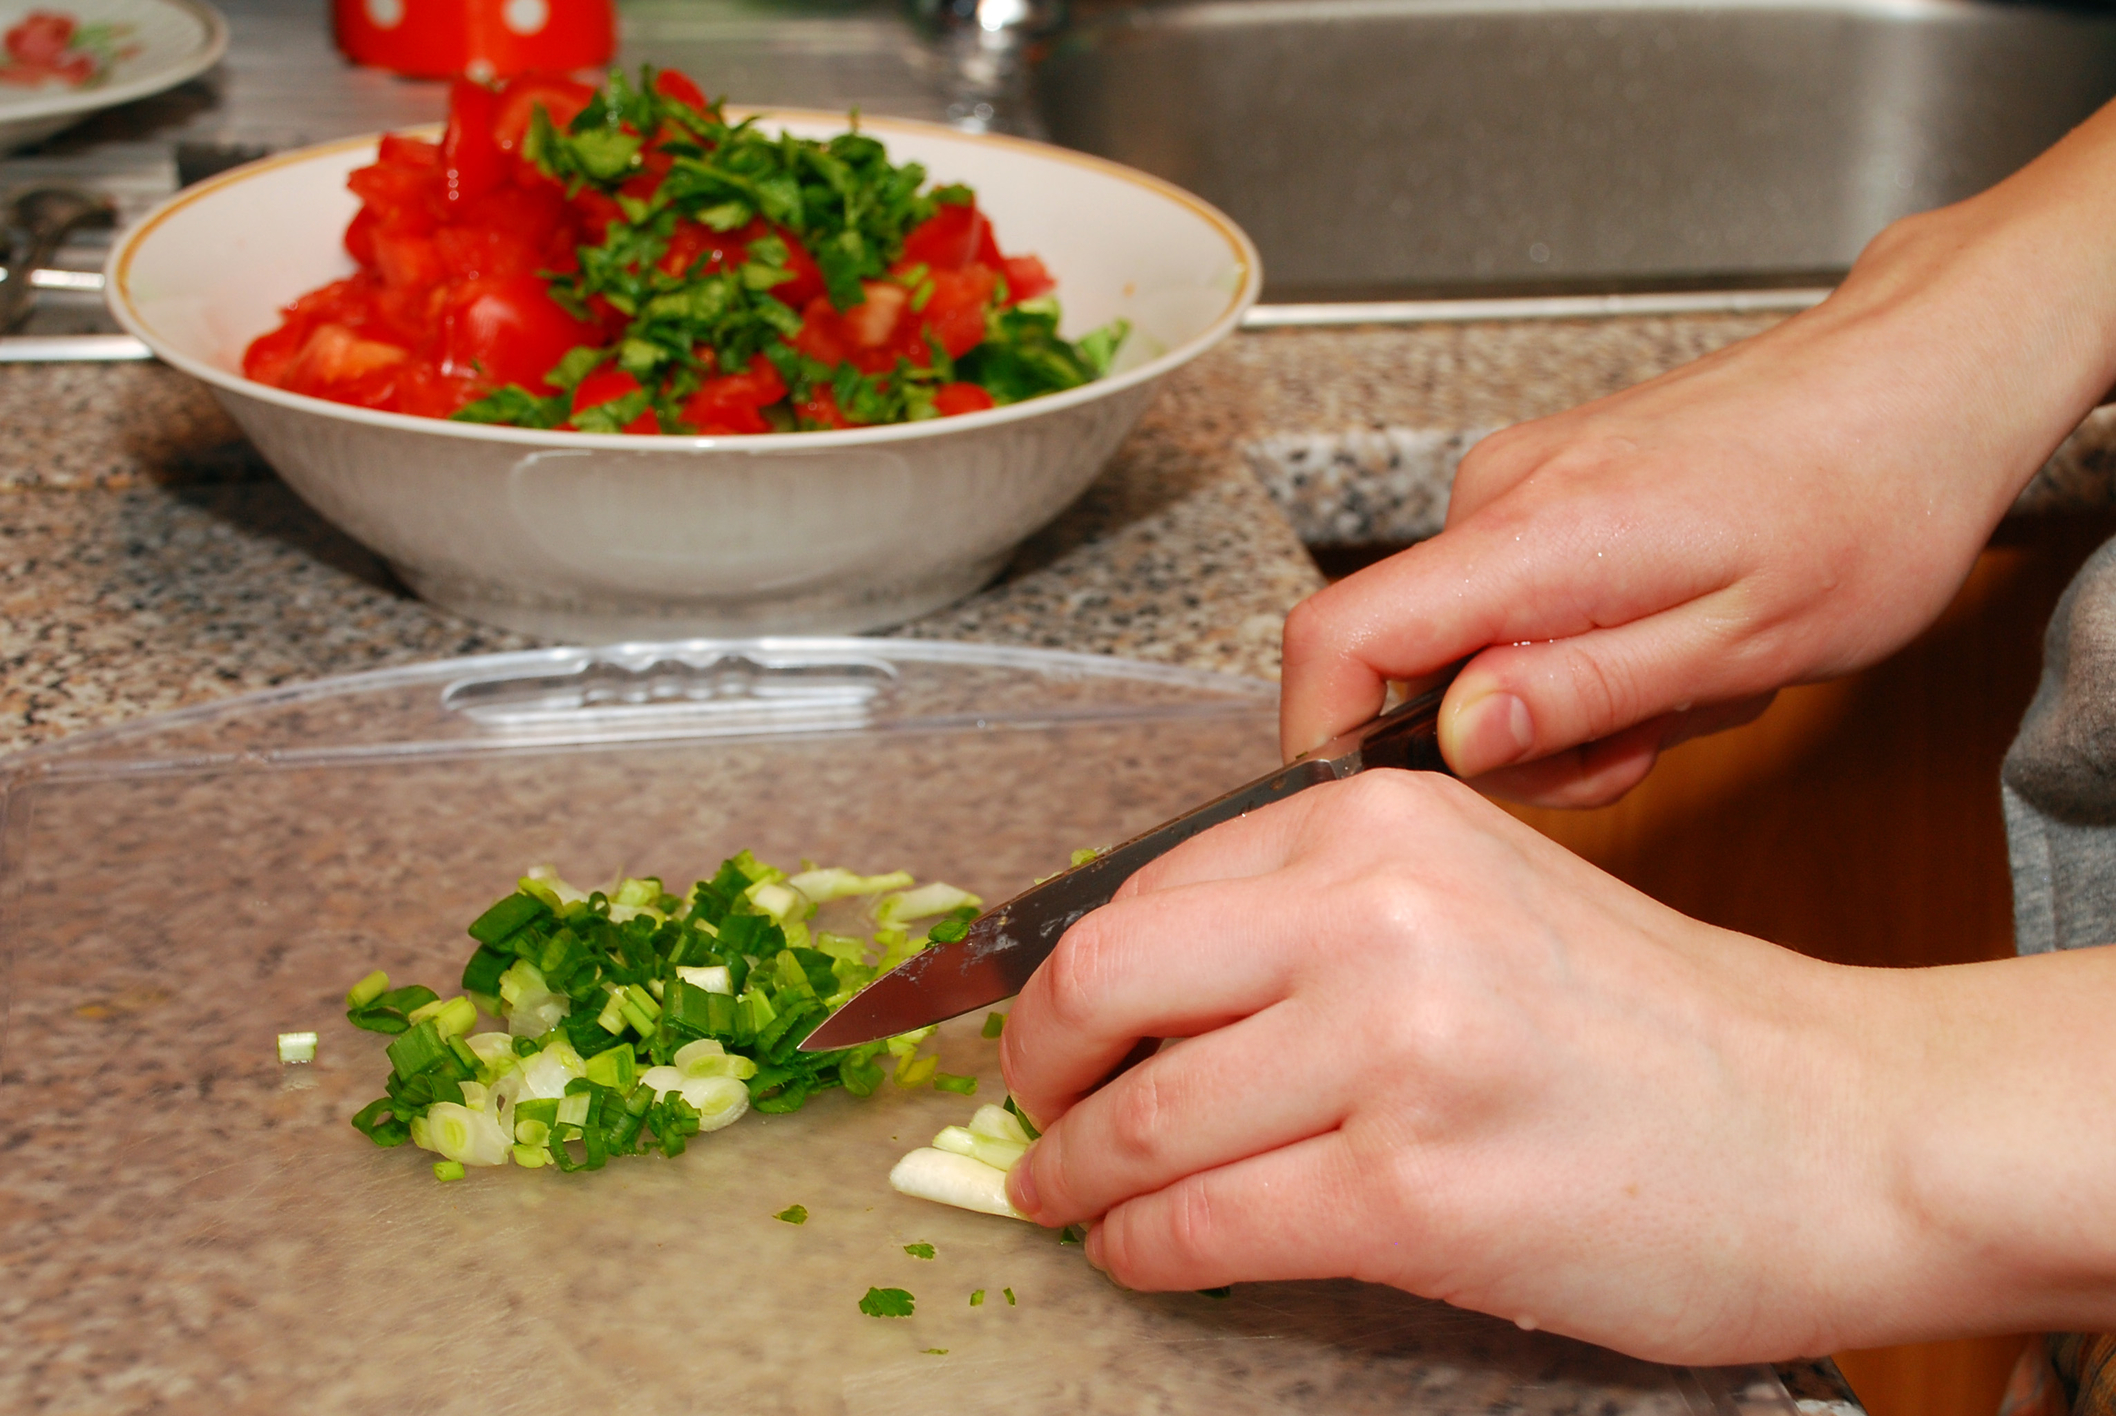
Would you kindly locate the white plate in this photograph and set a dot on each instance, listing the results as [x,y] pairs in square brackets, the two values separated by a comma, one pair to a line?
[167,42]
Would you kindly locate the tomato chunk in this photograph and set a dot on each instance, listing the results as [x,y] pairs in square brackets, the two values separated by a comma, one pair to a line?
[954,398]
[735,403]
[561,99]
[470,155]
[606,385]
[509,330]
[671,83]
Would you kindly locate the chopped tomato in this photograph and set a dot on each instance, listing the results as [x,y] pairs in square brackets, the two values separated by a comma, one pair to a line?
[953,398]
[871,323]
[470,155]
[953,237]
[820,410]
[606,385]
[595,212]
[669,83]
[822,334]
[735,403]
[360,235]
[956,311]
[406,258]
[695,242]
[508,330]
[1026,278]
[561,99]
[654,164]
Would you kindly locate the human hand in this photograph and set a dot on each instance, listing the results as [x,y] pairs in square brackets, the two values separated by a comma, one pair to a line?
[1655,564]
[1426,1047]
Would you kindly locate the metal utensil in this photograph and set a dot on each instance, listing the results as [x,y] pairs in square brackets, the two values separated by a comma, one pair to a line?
[39,222]
[1004,945]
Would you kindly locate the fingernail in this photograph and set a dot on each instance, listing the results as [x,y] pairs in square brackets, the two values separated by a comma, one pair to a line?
[1093,1247]
[1493,731]
[1021,1185]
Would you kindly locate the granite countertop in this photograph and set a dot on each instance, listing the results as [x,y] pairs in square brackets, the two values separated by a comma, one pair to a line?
[148,559]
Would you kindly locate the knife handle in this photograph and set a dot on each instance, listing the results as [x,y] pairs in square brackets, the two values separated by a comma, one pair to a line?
[1407,736]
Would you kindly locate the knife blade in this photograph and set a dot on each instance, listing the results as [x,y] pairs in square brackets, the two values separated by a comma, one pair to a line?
[1005,944]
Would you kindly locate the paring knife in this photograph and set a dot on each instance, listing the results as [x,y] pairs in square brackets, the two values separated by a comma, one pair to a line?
[1005,944]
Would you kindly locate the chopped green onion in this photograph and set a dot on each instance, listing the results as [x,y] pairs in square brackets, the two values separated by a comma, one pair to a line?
[936,1352]
[1010,1296]
[793,1214]
[367,990]
[448,1170]
[1073,1234]
[977,1298]
[636,1019]
[995,1024]
[919,1251]
[297,1047]
[887,1303]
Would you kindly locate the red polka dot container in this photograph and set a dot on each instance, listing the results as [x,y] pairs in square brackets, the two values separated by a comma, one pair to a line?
[485,39]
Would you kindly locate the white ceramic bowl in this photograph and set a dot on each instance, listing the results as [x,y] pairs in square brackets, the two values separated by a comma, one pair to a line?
[597,537]
[161,44]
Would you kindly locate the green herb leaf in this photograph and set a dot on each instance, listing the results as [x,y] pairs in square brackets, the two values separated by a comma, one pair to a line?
[517,406]
[887,1303]
[919,1251]
[793,1214]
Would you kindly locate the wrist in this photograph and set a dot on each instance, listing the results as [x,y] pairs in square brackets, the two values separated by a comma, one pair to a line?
[2015,288]
[2002,1146]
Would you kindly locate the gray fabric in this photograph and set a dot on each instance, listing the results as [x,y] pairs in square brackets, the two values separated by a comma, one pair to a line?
[2059,779]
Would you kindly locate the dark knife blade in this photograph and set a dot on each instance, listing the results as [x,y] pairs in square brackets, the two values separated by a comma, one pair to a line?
[1005,944]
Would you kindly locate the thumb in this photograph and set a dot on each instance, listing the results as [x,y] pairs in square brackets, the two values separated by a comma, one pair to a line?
[1517,703]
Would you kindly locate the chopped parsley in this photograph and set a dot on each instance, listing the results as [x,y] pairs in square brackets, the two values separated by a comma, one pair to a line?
[887,1303]
[919,1251]
[793,1214]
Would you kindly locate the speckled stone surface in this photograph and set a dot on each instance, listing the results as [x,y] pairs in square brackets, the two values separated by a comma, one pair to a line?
[148,560]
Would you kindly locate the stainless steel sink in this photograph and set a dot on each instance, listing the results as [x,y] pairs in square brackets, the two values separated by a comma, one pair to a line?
[1384,149]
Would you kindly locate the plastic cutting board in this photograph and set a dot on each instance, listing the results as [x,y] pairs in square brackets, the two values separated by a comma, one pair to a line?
[190,1226]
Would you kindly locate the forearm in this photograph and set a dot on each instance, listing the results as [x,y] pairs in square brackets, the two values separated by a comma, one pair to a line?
[2003,1133]
[2018,286]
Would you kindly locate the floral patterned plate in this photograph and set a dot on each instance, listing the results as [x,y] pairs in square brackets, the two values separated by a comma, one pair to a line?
[62,60]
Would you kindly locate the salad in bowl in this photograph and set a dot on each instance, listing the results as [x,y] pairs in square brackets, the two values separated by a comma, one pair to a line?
[630,260]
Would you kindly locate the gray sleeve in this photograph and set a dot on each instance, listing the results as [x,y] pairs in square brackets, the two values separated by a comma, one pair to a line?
[2059,779]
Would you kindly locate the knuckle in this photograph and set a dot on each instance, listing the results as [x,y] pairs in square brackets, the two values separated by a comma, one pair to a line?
[1193,1226]
[1073,977]
[1605,697]
[1139,1114]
